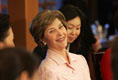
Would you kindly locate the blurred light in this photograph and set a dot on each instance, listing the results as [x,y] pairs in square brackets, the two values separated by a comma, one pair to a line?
[94,29]
[106,26]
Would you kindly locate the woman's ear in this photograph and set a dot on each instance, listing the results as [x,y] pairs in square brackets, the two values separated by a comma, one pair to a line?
[23,76]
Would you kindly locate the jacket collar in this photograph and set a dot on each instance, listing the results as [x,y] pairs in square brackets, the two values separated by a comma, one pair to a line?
[58,58]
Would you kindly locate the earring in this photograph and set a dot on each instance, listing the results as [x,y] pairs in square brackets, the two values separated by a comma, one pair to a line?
[44,43]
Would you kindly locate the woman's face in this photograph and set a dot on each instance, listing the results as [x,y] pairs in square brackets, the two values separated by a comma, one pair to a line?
[35,75]
[73,29]
[8,42]
[25,76]
[55,35]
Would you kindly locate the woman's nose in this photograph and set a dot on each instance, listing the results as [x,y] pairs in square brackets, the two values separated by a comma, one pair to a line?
[59,32]
[73,31]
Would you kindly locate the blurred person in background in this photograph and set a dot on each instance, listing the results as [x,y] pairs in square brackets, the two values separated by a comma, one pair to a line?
[114,58]
[18,64]
[105,65]
[6,33]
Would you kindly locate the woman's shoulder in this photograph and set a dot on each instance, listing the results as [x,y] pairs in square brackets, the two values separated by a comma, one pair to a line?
[48,63]
[77,56]
[48,67]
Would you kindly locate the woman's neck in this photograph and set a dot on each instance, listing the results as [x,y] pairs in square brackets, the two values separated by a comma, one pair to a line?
[63,53]
[68,46]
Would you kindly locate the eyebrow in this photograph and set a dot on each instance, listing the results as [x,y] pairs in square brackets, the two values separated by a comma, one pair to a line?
[60,24]
[74,25]
[50,29]
[53,28]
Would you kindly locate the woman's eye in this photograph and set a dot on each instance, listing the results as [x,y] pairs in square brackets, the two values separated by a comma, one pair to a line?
[60,27]
[51,31]
[77,28]
[70,28]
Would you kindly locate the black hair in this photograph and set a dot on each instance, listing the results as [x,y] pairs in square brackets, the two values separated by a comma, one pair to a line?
[114,58]
[71,12]
[83,43]
[4,26]
[13,61]
[116,19]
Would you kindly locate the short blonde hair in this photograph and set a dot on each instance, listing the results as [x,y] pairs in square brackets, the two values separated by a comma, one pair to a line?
[41,21]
